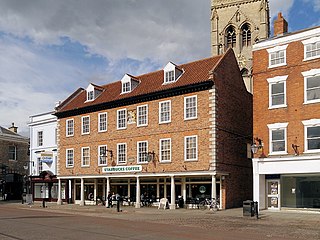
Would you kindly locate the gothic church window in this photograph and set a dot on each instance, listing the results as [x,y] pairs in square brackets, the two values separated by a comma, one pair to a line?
[246,35]
[231,37]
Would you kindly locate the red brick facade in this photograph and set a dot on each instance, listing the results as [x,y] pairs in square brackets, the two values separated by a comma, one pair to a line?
[223,128]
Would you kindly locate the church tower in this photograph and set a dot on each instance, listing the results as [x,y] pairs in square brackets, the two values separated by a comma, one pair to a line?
[239,24]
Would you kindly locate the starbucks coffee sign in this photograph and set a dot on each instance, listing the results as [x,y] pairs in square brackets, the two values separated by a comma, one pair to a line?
[132,168]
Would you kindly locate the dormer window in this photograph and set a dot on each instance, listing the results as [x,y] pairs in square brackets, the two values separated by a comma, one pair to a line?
[90,96]
[169,77]
[171,73]
[128,83]
[93,91]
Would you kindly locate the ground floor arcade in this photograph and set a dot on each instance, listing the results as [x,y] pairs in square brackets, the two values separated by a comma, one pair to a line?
[90,189]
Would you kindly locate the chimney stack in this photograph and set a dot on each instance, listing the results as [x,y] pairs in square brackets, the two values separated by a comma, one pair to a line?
[280,25]
[13,128]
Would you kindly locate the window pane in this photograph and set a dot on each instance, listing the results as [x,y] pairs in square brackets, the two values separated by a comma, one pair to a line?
[142,152]
[165,112]
[277,135]
[190,107]
[103,122]
[142,115]
[313,132]
[277,88]
[191,148]
[313,144]
[165,147]
[278,99]
[122,118]
[278,146]
[313,94]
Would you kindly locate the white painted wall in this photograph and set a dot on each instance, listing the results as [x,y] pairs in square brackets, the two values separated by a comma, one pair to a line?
[47,123]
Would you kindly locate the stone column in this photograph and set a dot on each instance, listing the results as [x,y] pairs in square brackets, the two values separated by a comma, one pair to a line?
[59,201]
[184,189]
[213,187]
[138,193]
[173,194]
[108,190]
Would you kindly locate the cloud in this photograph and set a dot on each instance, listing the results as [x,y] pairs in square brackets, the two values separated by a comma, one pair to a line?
[161,29]
[283,6]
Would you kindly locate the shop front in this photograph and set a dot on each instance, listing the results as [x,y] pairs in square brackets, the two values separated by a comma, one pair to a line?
[287,182]
[92,189]
[45,187]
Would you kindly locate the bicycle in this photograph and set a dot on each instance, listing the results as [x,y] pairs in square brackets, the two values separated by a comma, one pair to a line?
[211,204]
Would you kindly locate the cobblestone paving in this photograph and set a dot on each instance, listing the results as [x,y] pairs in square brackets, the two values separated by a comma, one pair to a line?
[289,224]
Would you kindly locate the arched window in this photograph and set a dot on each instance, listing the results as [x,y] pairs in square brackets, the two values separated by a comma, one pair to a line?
[246,35]
[245,73]
[231,37]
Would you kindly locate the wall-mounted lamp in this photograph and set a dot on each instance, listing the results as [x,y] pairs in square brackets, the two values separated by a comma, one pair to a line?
[150,156]
[295,148]
[184,167]
[257,146]
[103,156]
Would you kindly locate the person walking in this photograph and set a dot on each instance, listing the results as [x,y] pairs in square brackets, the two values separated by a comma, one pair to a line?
[109,200]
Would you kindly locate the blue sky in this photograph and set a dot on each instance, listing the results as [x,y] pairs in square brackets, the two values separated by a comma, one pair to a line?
[49,48]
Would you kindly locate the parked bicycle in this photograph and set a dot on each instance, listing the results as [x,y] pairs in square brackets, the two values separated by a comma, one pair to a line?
[211,204]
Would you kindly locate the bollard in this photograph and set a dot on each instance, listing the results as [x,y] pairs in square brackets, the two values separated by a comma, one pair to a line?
[44,203]
[118,205]
[256,209]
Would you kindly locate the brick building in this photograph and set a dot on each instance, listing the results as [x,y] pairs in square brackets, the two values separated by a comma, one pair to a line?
[286,71]
[183,130]
[14,163]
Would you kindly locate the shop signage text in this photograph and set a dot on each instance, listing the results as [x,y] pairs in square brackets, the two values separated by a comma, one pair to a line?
[133,168]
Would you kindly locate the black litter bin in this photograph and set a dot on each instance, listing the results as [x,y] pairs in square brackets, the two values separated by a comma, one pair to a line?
[180,202]
[248,208]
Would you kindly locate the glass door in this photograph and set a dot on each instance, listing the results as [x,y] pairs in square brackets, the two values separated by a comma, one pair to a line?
[273,191]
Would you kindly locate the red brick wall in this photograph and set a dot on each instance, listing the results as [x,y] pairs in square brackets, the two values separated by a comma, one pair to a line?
[176,130]
[234,111]
[296,111]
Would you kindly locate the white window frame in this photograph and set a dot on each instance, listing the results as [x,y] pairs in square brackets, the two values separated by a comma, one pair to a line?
[307,124]
[185,148]
[278,126]
[69,130]
[99,122]
[307,75]
[125,119]
[82,157]
[161,150]
[278,49]
[40,165]
[90,96]
[142,156]
[40,138]
[276,80]
[82,125]
[139,115]
[69,161]
[191,108]
[126,87]
[160,111]
[309,42]
[118,154]
[169,76]
[100,155]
